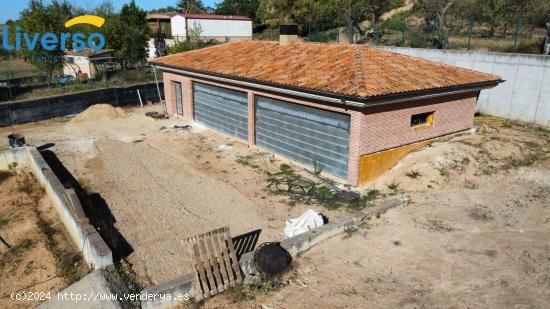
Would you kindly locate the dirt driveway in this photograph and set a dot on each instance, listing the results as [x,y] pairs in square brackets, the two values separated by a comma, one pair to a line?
[475,235]
[163,185]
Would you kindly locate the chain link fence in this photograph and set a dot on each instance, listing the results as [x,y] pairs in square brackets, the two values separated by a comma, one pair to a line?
[19,80]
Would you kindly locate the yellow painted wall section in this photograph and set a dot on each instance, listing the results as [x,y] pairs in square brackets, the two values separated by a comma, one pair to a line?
[373,165]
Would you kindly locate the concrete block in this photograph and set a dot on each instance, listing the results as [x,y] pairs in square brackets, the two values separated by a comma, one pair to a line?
[74,203]
[169,294]
[92,292]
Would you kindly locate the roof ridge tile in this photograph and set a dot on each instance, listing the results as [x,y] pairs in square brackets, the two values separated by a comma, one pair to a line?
[360,81]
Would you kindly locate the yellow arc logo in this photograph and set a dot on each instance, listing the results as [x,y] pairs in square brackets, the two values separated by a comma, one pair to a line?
[86,19]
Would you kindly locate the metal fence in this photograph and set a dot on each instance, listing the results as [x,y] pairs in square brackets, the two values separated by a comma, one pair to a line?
[14,86]
[520,35]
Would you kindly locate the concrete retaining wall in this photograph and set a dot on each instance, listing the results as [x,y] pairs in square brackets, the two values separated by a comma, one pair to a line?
[294,245]
[525,95]
[93,248]
[46,108]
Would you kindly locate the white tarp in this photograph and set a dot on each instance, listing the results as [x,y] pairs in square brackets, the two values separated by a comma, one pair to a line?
[308,221]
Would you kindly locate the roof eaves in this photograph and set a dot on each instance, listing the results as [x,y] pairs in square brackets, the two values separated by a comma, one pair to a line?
[431,92]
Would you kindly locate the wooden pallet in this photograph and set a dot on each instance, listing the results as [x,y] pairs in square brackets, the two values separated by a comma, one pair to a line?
[215,263]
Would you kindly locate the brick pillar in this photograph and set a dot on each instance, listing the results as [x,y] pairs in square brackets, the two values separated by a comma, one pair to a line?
[354,148]
[169,96]
[251,119]
[187,94]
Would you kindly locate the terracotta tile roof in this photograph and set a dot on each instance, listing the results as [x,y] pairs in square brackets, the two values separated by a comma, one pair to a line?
[351,70]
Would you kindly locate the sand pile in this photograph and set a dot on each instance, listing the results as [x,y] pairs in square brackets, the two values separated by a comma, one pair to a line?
[99,112]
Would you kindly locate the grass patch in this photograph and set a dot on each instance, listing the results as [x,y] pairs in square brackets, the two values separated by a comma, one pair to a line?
[122,280]
[303,190]
[393,186]
[528,160]
[470,185]
[4,175]
[263,285]
[480,214]
[531,145]
[14,253]
[365,200]
[4,222]
[65,260]
[267,285]
[436,225]
[414,174]
[245,160]
[239,294]
[350,230]
[443,171]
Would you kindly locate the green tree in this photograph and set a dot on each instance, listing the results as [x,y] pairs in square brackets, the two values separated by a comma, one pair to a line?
[238,7]
[444,17]
[127,33]
[191,6]
[275,12]
[38,18]
[166,9]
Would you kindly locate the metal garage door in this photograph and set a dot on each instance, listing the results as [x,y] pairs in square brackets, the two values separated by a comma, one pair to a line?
[306,134]
[222,109]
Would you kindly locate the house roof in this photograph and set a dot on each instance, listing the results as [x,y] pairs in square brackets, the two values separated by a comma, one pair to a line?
[164,15]
[355,71]
[212,16]
[88,52]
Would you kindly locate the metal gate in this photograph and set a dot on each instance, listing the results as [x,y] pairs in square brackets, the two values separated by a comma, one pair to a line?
[179,99]
[305,134]
[222,109]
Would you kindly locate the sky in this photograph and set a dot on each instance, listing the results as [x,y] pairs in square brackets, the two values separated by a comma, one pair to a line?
[11,9]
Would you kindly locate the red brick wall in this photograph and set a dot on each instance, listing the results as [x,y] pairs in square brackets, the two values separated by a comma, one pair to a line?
[389,126]
[170,94]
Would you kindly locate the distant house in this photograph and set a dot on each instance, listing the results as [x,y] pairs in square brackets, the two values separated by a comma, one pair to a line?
[160,21]
[174,27]
[87,64]
[223,28]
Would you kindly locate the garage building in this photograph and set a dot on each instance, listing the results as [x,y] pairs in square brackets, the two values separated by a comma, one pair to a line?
[349,109]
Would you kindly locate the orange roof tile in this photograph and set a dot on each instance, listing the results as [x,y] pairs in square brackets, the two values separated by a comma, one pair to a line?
[351,70]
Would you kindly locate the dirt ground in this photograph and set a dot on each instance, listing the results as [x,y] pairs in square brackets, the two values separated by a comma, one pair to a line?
[163,184]
[36,255]
[475,234]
